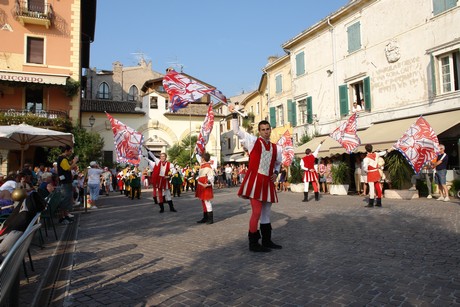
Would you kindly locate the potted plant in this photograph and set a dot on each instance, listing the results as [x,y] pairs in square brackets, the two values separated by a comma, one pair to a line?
[400,173]
[295,180]
[340,173]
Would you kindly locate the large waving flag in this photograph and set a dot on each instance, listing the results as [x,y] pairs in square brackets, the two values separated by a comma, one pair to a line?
[419,144]
[346,135]
[128,142]
[285,142]
[183,90]
[205,131]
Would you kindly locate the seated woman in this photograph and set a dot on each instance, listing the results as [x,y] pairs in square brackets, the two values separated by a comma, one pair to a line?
[6,201]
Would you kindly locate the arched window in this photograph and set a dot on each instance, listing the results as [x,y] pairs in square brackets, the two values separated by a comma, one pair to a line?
[103,92]
[133,93]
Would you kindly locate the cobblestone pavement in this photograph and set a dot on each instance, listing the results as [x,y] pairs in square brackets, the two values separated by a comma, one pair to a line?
[335,253]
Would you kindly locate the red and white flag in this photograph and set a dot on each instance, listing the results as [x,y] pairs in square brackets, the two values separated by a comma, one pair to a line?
[285,142]
[205,131]
[128,142]
[183,90]
[419,144]
[346,134]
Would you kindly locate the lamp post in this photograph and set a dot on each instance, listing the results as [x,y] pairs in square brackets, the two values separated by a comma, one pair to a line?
[92,120]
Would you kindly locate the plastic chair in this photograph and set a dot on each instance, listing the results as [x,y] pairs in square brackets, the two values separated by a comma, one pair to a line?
[9,268]
[47,215]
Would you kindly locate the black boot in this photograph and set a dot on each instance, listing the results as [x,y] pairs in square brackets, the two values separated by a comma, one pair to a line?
[171,206]
[316,196]
[266,230]
[162,207]
[305,196]
[379,202]
[254,245]
[155,200]
[371,203]
[204,219]
[210,218]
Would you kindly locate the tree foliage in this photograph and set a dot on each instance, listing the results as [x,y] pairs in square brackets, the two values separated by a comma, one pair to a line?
[88,146]
[181,152]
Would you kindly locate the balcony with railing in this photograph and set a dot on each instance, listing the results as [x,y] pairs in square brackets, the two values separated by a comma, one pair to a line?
[58,120]
[31,12]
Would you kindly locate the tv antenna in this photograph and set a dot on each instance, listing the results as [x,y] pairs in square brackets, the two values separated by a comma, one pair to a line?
[140,57]
[175,64]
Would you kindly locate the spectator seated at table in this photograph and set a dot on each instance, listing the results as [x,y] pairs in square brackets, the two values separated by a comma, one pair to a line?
[6,201]
[17,222]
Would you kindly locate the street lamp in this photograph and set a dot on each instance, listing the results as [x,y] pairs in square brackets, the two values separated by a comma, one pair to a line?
[92,120]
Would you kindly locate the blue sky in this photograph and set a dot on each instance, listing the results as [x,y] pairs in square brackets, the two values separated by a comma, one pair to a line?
[225,43]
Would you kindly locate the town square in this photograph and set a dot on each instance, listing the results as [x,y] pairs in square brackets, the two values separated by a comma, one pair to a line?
[240,153]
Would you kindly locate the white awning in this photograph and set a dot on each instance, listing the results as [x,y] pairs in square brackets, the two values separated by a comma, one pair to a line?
[33,77]
[238,157]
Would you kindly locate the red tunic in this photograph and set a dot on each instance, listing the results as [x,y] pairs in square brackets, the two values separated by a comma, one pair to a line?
[311,175]
[200,191]
[161,182]
[257,183]
[373,173]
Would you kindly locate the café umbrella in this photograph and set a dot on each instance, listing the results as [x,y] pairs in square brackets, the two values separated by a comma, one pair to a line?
[21,137]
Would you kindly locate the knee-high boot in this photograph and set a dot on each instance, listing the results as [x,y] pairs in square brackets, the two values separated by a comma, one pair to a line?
[378,202]
[204,219]
[155,200]
[162,207]
[254,245]
[266,230]
[316,196]
[210,218]
[171,206]
[305,196]
[371,203]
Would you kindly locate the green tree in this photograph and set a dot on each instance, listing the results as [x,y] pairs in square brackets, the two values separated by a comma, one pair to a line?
[88,146]
[181,152]
[305,138]
[248,122]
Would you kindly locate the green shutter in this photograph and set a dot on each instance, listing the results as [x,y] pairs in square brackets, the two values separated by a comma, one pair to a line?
[440,6]
[292,114]
[300,64]
[279,84]
[309,110]
[343,98]
[273,117]
[354,37]
[367,93]
[433,74]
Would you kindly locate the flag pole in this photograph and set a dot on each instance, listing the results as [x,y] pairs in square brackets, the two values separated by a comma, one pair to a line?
[224,102]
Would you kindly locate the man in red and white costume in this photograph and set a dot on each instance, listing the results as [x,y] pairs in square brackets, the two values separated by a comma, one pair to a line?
[258,183]
[370,164]
[162,172]
[153,179]
[204,186]
[307,163]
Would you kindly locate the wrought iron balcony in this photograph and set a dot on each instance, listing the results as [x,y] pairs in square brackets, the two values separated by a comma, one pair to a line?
[38,14]
[59,120]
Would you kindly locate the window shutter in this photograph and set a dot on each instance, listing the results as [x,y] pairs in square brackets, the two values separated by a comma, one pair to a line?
[343,98]
[35,50]
[279,84]
[367,93]
[438,6]
[300,63]
[354,37]
[309,110]
[433,74]
[292,114]
[273,117]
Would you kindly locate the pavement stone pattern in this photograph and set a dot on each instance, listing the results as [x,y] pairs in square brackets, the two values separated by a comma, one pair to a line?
[335,253]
